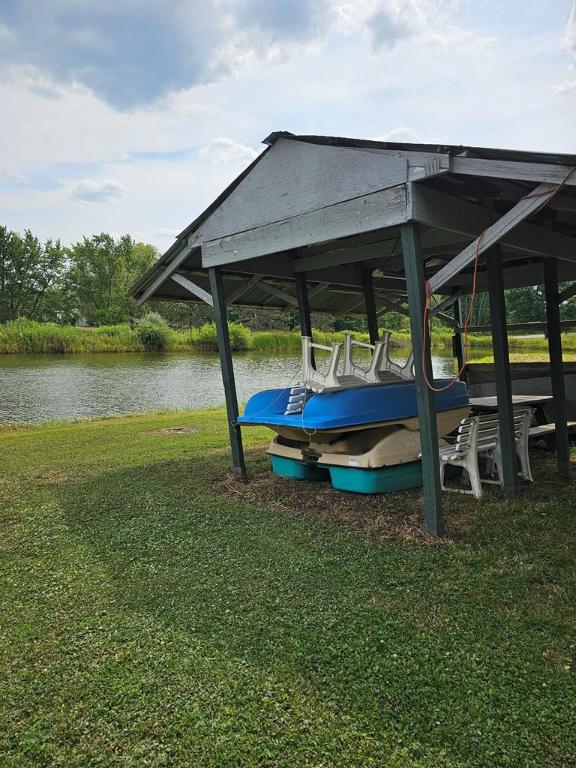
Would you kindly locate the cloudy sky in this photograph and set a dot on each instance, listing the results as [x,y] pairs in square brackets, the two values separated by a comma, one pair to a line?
[132,115]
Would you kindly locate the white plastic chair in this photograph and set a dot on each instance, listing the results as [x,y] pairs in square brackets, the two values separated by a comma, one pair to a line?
[480,435]
[463,453]
[522,421]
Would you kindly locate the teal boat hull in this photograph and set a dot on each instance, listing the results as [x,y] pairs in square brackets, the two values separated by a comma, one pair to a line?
[399,477]
[298,470]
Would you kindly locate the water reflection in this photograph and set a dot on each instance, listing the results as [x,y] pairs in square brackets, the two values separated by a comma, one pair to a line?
[38,387]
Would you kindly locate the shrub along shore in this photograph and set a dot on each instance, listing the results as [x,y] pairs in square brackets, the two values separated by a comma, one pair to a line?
[26,337]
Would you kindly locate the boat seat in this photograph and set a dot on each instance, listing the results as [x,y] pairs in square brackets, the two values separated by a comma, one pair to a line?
[381,368]
[312,378]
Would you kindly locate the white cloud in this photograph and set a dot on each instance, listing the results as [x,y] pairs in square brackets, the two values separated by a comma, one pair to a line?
[401,134]
[565,86]
[330,79]
[180,44]
[570,83]
[389,22]
[97,191]
[571,29]
[224,151]
[13,175]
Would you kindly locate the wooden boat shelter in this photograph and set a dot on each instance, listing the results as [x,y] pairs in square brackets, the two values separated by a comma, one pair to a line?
[345,226]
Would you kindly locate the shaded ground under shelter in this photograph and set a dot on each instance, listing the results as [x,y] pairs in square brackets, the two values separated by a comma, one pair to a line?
[347,226]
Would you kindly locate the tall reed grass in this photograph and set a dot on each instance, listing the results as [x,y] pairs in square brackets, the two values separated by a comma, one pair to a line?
[28,337]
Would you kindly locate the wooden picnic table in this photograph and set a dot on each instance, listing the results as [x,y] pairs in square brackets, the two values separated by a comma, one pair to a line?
[490,403]
[542,428]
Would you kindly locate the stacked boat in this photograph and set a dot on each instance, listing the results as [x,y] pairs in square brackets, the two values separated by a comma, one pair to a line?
[355,424]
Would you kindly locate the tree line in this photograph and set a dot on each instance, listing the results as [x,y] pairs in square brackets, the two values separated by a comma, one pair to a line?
[86,282]
[90,280]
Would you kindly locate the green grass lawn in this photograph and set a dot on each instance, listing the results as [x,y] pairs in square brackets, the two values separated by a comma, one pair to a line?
[151,615]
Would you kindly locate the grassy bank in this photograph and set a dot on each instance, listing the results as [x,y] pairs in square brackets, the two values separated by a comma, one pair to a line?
[24,337]
[153,616]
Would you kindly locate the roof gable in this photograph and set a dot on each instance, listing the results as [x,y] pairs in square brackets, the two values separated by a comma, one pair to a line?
[295,177]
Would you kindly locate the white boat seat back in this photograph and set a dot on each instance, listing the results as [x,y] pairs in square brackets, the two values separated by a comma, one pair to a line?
[311,377]
[381,367]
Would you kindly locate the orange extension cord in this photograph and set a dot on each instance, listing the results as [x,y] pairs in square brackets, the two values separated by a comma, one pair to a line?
[426,324]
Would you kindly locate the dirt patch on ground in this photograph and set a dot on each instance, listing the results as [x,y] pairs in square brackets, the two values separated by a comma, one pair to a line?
[396,516]
[51,477]
[382,518]
[173,431]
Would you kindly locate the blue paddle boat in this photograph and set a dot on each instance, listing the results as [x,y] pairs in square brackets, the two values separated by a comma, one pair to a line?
[356,424]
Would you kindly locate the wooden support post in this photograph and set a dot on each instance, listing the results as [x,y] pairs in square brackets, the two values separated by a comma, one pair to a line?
[458,347]
[557,366]
[225,354]
[304,308]
[502,371]
[414,269]
[371,315]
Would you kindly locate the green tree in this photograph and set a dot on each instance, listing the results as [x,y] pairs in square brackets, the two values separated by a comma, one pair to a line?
[183,314]
[29,274]
[526,305]
[102,270]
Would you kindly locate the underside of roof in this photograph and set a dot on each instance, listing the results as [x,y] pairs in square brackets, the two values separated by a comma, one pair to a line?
[333,208]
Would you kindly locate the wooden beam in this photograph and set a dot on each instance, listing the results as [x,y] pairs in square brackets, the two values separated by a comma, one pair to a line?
[502,371]
[303,305]
[414,268]
[438,164]
[320,288]
[447,302]
[557,367]
[375,252]
[355,304]
[280,294]
[534,326]
[280,266]
[194,289]
[437,209]
[567,293]
[244,288]
[393,305]
[304,309]
[167,272]
[493,234]
[457,343]
[344,256]
[513,169]
[227,368]
[371,315]
[370,212]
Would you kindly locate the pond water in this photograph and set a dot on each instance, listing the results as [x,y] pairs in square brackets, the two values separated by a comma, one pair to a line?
[35,388]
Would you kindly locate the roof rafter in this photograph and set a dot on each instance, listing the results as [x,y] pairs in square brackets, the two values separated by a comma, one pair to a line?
[172,266]
[244,288]
[280,294]
[494,233]
[192,288]
[567,293]
[438,209]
